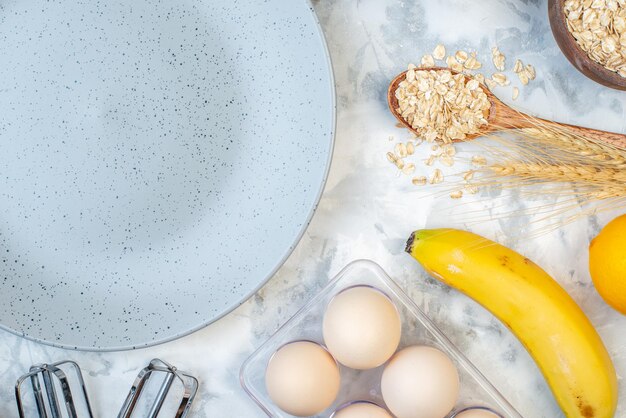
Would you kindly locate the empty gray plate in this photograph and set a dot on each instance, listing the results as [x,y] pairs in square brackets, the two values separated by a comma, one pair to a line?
[158,161]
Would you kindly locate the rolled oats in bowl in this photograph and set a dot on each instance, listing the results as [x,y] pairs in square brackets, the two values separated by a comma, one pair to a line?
[599,28]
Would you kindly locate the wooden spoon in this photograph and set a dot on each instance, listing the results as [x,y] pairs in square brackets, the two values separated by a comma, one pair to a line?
[502,117]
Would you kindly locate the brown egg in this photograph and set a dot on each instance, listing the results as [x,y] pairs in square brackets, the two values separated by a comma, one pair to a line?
[420,382]
[361,409]
[362,327]
[476,412]
[302,378]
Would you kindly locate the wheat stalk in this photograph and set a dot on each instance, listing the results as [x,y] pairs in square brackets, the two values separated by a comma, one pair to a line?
[603,184]
[547,154]
[586,175]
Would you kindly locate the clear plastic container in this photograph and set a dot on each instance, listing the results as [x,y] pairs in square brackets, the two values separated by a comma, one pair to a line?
[358,385]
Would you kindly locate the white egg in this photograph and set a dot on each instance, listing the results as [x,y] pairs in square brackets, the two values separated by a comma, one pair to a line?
[302,378]
[362,327]
[476,413]
[361,410]
[420,382]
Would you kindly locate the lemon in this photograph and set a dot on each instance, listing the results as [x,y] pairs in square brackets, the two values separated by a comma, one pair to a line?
[607,263]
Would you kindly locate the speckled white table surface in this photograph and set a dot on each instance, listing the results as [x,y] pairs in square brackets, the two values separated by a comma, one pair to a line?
[367,211]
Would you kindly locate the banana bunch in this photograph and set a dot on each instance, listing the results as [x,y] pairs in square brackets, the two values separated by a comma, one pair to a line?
[547,321]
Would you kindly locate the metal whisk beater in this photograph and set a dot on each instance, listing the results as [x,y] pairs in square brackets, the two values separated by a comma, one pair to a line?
[46,380]
[58,391]
[171,374]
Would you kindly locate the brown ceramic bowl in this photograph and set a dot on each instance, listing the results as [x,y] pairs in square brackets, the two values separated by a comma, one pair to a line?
[575,54]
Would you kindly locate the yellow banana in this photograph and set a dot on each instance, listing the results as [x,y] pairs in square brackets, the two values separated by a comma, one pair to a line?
[547,321]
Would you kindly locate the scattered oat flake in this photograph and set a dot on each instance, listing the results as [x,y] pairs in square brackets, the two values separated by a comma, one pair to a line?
[428,61]
[478,160]
[446,160]
[453,64]
[530,70]
[499,62]
[400,163]
[448,150]
[498,58]
[461,56]
[519,66]
[408,169]
[515,93]
[439,52]
[500,79]
[400,150]
[392,157]
[472,63]
[431,160]
[468,175]
[490,83]
[419,181]
[410,148]
[436,177]
[523,77]
[457,195]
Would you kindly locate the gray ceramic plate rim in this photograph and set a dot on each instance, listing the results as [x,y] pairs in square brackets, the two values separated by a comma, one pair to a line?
[279,264]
